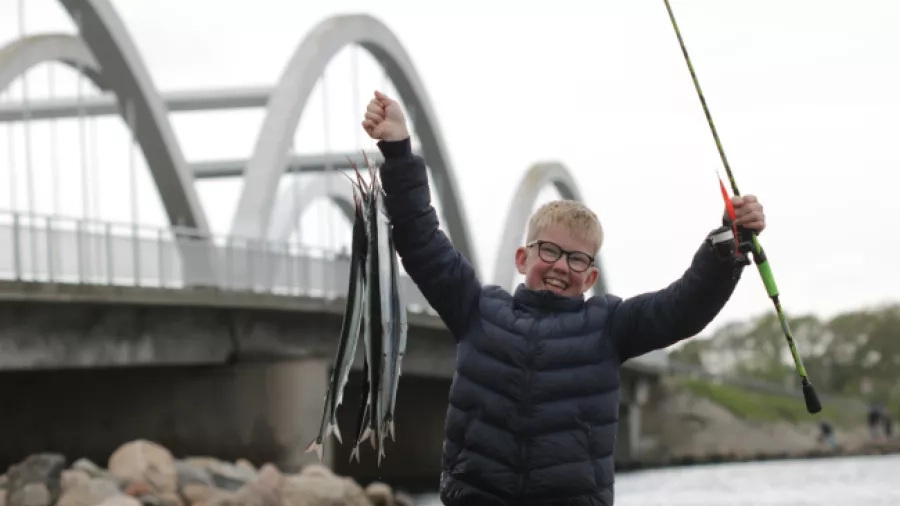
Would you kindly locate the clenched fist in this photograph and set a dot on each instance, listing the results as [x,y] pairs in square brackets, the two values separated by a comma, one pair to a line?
[384,119]
[748,213]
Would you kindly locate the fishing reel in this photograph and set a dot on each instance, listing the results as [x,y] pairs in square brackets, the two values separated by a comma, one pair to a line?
[727,246]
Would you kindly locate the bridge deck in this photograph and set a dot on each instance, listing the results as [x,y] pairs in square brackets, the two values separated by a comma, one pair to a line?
[52,259]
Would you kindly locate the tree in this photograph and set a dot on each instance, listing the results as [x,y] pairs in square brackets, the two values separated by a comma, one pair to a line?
[841,355]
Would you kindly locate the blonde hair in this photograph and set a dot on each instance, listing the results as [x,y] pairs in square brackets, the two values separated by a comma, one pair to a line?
[580,221]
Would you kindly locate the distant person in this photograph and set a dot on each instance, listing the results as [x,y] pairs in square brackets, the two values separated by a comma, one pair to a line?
[535,398]
[826,435]
[888,426]
[875,421]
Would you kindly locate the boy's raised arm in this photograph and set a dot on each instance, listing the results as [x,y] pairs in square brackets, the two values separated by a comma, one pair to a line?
[444,276]
[655,320]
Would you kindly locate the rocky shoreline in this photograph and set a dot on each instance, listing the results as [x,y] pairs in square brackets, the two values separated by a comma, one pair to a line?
[142,473]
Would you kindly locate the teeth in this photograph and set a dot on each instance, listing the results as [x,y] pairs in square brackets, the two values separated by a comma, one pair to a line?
[556,283]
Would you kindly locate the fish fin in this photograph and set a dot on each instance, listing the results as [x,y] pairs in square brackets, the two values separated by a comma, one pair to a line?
[391,428]
[315,446]
[355,454]
[352,182]
[363,188]
[380,453]
[366,159]
[337,432]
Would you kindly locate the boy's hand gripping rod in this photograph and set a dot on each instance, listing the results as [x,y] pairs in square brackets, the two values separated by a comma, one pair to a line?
[749,241]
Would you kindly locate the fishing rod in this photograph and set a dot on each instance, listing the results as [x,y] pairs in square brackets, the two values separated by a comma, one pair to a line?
[752,244]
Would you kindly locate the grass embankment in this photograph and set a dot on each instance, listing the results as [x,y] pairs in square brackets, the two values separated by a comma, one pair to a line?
[764,407]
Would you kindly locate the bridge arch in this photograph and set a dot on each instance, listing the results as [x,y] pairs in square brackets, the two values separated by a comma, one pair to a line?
[21,55]
[536,179]
[288,100]
[121,70]
[295,198]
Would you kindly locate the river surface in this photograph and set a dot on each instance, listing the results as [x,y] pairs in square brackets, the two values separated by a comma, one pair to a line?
[851,481]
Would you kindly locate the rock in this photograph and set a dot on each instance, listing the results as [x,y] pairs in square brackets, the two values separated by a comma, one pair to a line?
[120,500]
[166,499]
[36,480]
[143,473]
[317,470]
[316,485]
[224,475]
[194,493]
[245,466]
[137,489]
[72,478]
[192,475]
[265,490]
[92,469]
[145,462]
[380,494]
[87,491]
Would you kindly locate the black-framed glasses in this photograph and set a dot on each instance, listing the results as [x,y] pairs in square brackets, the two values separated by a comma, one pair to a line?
[550,252]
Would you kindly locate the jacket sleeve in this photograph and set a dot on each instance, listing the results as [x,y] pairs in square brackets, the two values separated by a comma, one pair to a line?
[655,320]
[444,276]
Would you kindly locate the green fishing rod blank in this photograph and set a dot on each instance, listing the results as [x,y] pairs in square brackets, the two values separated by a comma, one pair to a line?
[759,256]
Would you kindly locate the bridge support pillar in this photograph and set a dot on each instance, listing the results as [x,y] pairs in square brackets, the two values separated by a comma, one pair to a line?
[264,412]
[630,437]
[295,393]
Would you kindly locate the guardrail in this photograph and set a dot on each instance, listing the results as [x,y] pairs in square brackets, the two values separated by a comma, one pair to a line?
[56,249]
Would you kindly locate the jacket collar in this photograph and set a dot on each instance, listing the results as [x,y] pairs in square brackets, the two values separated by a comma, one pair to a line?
[546,301]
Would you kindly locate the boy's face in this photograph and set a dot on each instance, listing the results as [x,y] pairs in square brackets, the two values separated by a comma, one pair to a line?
[546,265]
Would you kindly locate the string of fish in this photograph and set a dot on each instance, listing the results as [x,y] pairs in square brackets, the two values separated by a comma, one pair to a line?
[374,309]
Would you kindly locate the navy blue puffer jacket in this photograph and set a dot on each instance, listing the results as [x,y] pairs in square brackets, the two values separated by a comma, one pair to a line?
[534,403]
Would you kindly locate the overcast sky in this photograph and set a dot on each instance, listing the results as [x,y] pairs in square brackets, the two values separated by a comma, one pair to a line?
[804,93]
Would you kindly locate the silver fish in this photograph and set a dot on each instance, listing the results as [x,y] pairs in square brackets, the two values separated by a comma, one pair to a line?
[365,416]
[350,329]
[388,302]
[374,319]
[384,324]
[399,328]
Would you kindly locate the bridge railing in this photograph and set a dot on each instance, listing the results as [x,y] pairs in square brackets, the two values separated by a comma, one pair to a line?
[57,249]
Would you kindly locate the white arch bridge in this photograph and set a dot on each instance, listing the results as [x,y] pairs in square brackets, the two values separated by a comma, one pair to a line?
[258,255]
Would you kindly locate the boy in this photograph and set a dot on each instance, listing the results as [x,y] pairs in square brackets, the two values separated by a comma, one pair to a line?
[534,402]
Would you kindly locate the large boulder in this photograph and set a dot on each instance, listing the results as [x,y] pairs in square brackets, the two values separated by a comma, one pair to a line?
[144,464]
[36,480]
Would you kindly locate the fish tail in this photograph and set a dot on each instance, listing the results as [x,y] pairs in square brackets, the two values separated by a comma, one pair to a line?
[316,446]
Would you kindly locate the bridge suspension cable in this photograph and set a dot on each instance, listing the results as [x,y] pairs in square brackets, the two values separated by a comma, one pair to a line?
[295,178]
[26,125]
[82,130]
[13,180]
[54,153]
[354,81]
[329,167]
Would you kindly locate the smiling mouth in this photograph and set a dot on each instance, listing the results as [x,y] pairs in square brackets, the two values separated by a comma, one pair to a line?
[555,284]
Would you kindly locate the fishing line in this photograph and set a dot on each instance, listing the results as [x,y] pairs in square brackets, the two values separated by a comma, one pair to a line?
[759,256]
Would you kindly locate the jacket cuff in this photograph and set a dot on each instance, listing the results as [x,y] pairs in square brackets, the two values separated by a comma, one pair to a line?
[717,255]
[395,149]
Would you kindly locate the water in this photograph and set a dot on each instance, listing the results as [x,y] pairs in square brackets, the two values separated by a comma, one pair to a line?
[851,481]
